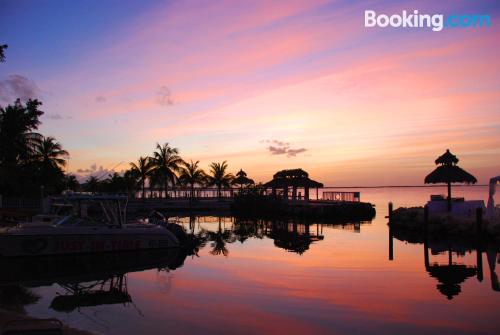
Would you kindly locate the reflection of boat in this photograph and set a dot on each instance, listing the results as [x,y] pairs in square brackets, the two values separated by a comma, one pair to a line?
[107,292]
[95,224]
[75,268]
[88,280]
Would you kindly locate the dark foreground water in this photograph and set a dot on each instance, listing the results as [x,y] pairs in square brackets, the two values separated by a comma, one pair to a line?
[281,278]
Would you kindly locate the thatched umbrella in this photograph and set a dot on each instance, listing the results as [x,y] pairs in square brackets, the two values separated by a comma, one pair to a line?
[449,172]
[242,179]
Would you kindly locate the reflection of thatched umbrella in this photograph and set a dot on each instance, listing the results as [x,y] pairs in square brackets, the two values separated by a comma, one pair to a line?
[448,172]
[450,276]
[242,179]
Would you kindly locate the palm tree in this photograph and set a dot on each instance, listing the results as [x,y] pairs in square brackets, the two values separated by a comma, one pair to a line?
[72,183]
[2,52]
[165,164]
[18,142]
[190,175]
[219,177]
[92,185]
[142,170]
[49,161]
[51,153]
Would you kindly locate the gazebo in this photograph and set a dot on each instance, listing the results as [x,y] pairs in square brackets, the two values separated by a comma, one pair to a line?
[242,179]
[449,172]
[294,178]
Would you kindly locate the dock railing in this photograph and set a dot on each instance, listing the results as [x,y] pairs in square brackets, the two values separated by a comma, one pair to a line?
[341,196]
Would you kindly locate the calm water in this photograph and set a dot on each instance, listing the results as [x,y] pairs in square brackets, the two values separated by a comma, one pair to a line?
[264,278]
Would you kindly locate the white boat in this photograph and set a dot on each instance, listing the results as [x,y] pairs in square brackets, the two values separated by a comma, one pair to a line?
[95,224]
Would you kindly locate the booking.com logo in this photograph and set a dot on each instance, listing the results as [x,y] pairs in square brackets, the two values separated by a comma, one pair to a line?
[416,20]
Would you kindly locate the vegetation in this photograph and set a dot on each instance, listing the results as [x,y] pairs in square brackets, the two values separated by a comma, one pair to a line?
[2,52]
[166,164]
[29,162]
[191,175]
[219,176]
[141,171]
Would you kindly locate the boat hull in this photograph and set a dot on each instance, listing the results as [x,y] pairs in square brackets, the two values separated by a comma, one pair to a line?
[57,243]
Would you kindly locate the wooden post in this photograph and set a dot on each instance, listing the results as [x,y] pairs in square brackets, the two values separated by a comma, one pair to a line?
[479,220]
[390,212]
[391,244]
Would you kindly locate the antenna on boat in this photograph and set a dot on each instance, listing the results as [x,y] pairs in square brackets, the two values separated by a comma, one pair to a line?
[107,170]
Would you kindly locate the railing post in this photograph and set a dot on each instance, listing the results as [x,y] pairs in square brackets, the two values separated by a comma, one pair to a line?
[390,212]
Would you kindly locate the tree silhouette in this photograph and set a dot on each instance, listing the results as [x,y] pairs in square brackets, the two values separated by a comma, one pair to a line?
[142,170]
[92,184]
[219,177]
[72,183]
[18,141]
[51,154]
[165,164]
[2,52]
[191,174]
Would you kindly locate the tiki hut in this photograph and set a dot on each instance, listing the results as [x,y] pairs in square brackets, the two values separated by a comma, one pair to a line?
[449,172]
[242,179]
[295,178]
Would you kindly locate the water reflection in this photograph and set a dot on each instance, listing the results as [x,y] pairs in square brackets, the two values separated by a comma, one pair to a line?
[95,280]
[87,280]
[291,235]
[449,273]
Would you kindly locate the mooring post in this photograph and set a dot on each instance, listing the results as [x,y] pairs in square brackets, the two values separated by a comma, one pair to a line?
[391,244]
[390,212]
[479,220]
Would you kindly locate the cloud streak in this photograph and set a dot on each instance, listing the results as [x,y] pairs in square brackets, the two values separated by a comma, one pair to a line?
[283,148]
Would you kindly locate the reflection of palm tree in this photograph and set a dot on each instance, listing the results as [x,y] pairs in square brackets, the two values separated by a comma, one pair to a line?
[165,164]
[191,174]
[16,297]
[219,240]
[141,170]
[219,176]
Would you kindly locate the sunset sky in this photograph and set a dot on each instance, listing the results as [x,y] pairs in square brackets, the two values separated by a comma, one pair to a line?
[265,85]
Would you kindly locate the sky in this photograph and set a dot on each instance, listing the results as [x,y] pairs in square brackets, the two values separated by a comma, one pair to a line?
[265,85]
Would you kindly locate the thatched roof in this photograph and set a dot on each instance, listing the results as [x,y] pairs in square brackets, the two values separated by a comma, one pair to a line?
[293,178]
[242,179]
[447,158]
[449,174]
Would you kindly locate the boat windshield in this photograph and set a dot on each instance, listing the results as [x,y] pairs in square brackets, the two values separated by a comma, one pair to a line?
[73,220]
